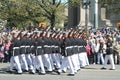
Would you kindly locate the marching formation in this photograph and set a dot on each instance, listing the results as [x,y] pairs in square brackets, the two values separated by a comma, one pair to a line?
[48,51]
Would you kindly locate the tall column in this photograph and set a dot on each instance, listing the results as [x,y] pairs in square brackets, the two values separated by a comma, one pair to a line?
[96,15]
[87,15]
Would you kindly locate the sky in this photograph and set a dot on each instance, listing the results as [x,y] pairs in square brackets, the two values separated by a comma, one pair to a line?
[64,0]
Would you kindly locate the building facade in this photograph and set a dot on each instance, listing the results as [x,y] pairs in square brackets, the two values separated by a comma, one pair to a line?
[106,18]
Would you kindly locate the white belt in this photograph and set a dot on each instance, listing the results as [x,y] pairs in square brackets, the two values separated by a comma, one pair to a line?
[75,46]
[46,46]
[27,46]
[32,46]
[56,46]
[68,47]
[52,46]
[111,47]
[80,46]
[71,46]
[15,47]
[39,47]
[22,46]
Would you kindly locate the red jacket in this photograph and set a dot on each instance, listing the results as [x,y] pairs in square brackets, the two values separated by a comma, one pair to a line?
[88,50]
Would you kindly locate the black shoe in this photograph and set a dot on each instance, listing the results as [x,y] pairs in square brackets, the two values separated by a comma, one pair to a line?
[78,69]
[82,67]
[37,70]
[71,74]
[18,73]
[25,70]
[111,69]
[48,72]
[103,68]
[11,72]
[58,72]
[41,73]
[63,71]
[31,72]
[15,69]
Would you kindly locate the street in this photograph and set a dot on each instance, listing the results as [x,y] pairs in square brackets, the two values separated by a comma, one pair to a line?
[91,72]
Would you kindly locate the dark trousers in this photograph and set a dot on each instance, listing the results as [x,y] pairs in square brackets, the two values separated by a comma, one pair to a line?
[6,58]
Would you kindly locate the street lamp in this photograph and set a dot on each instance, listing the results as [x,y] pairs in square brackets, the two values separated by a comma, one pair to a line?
[86,4]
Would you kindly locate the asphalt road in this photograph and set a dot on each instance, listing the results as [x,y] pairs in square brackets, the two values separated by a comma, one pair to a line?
[91,72]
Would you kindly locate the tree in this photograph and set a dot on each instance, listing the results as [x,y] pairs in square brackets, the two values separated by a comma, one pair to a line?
[53,10]
[21,11]
[75,2]
[18,12]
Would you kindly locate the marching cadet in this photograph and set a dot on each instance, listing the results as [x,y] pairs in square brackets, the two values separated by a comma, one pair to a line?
[16,52]
[47,51]
[82,54]
[64,62]
[74,47]
[79,51]
[77,54]
[22,52]
[55,50]
[52,43]
[39,53]
[109,54]
[33,47]
[68,53]
[28,54]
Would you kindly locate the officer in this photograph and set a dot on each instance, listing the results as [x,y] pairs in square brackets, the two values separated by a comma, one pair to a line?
[109,54]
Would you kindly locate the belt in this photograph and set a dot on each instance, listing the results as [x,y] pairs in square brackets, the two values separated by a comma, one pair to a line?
[46,46]
[80,46]
[22,46]
[56,46]
[75,46]
[68,47]
[111,47]
[32,46]
[16,47]
[39,46]
[71,46]
[52,46]
[27,46]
